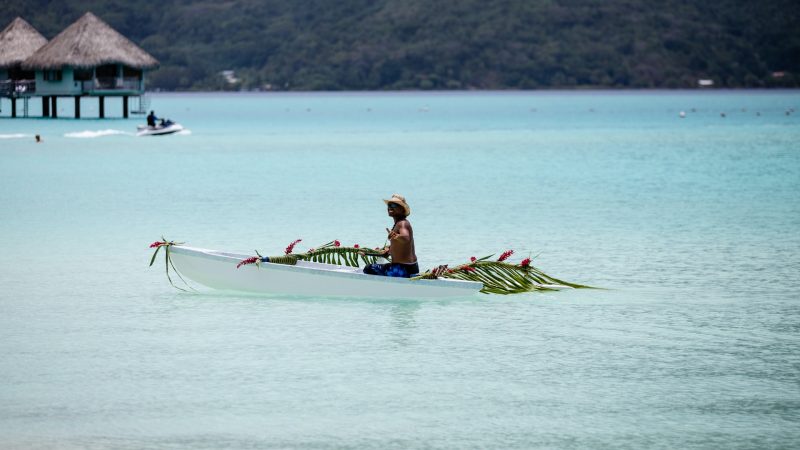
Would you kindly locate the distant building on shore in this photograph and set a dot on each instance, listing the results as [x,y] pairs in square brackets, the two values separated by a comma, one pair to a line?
[87,59]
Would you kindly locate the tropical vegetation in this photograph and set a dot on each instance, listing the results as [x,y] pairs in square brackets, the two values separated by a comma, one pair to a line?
[436,44]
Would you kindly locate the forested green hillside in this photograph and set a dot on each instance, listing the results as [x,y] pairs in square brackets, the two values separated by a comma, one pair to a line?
[455,44]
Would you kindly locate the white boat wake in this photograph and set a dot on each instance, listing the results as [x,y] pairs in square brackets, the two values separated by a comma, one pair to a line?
[88,134]
[15,136]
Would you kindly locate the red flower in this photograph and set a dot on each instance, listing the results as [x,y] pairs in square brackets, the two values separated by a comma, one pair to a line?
[355,245]
[250,260]
[157,244]
[468,269]
[525,262]
[337,243]
[505,255]
[473,259]
[291,246]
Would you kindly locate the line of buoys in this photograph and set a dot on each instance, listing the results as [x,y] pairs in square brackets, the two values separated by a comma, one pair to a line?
[723,114]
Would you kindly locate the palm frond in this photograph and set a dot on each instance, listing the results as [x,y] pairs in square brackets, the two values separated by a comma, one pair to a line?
[497,277]
[168,261]
[330,253]
[500,277]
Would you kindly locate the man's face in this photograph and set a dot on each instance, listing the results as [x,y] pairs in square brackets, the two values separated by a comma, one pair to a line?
[394,209]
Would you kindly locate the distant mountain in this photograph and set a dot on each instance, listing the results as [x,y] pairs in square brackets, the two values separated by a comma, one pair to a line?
[456,44]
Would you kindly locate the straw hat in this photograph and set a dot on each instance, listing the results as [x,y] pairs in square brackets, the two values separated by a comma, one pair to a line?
[400,200]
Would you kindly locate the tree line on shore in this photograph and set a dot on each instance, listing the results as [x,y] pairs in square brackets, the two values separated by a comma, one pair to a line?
[436,44]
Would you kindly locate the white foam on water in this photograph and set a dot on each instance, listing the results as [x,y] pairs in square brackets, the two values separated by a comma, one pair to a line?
[95,134]
[184,132]
[14,136]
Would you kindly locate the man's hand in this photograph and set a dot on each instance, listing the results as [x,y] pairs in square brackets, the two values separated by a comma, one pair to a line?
[383,251]
[392,234]
[439,270]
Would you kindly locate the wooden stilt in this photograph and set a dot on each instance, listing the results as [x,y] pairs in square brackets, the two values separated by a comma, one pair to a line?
[46,106]
[13,108]
[102,101]
[54,107]
[77,106]
[125,106]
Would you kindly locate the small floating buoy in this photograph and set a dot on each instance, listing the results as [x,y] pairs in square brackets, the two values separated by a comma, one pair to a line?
[682,114]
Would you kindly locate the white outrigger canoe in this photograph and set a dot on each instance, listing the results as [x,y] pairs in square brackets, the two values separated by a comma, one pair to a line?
[218,270]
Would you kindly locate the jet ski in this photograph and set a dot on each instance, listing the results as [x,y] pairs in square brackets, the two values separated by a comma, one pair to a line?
[162,128]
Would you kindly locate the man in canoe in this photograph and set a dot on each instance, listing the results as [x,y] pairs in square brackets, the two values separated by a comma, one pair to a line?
[401,243]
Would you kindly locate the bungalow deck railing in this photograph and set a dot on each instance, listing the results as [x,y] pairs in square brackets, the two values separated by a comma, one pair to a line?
[17,88]
[111,84]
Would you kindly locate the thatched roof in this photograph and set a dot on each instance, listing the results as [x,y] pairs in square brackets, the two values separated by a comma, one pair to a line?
[89,42]
[19,41]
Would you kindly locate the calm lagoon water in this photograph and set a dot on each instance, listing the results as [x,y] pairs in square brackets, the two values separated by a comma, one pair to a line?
[691,224]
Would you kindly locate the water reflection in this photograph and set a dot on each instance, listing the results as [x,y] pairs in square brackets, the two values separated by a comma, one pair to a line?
[403,322]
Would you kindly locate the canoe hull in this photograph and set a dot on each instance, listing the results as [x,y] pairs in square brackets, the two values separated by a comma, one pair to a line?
[218,270]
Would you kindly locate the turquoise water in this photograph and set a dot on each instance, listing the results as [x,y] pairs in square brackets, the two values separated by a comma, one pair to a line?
[691,224]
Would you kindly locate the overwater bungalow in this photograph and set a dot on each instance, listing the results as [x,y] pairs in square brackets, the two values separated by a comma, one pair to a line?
[18,41]
[89,58]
